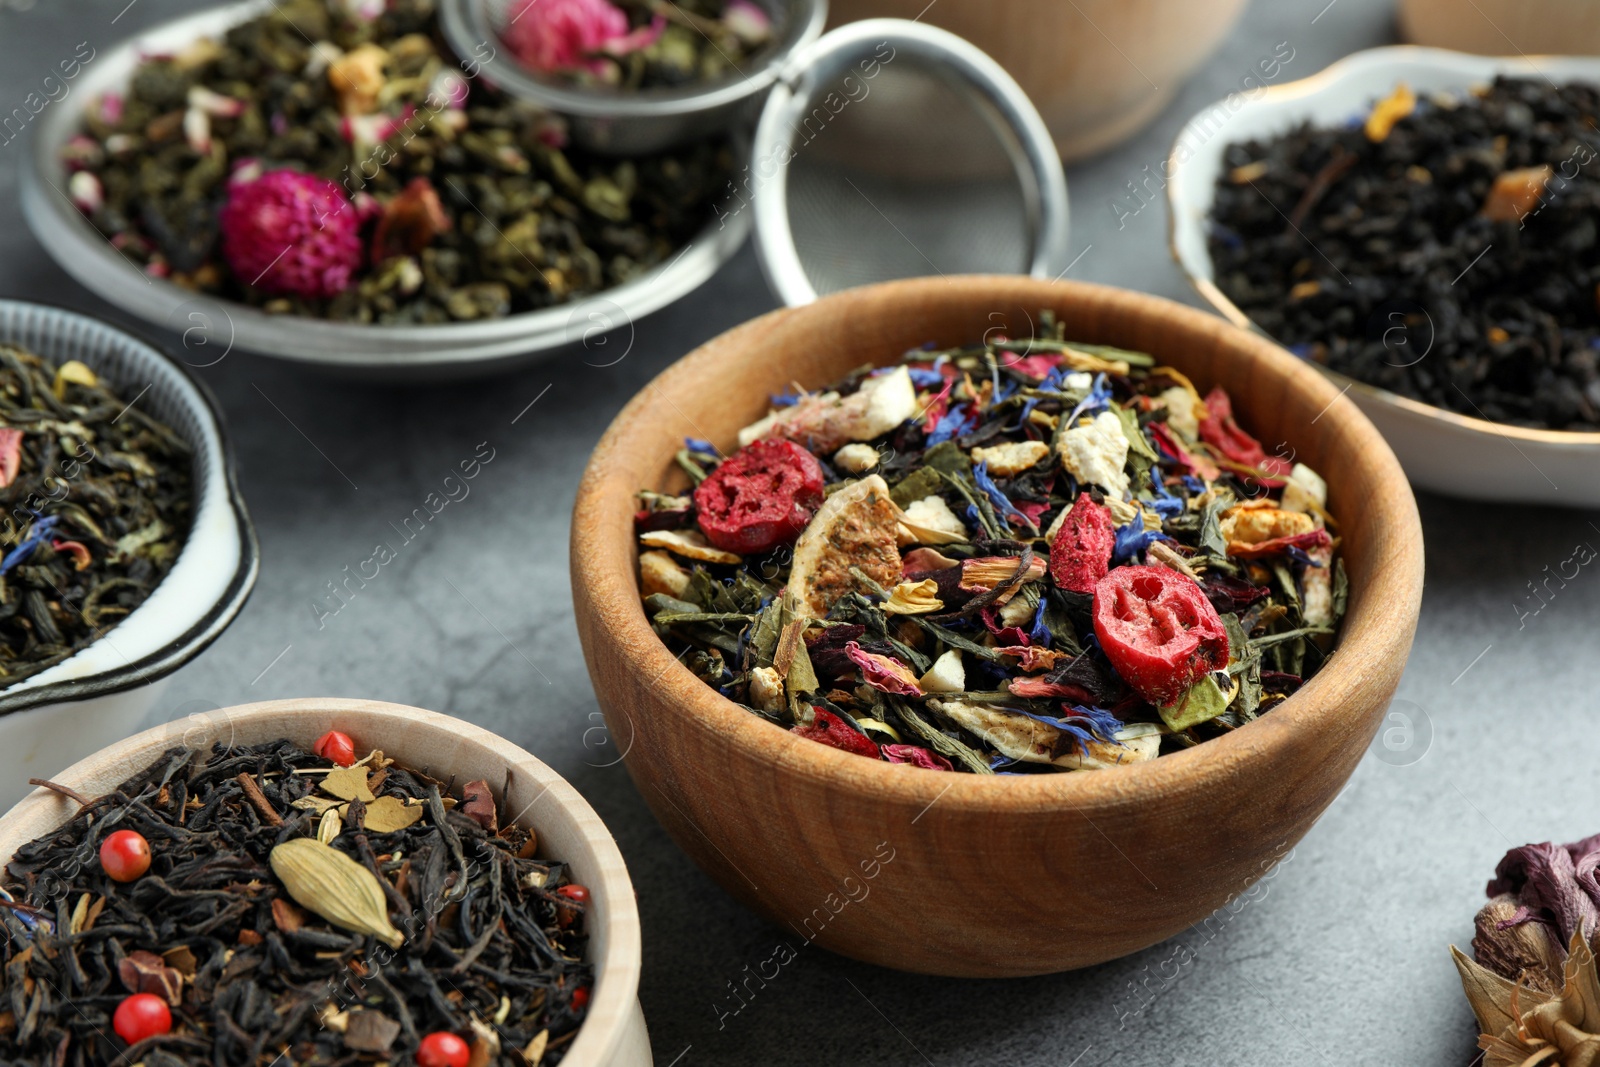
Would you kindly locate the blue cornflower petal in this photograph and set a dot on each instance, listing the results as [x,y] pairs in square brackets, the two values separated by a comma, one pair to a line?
[1040,634]
[1133,539]
[44,527]
[1099,397]
[1004,506]
[931,378]
[1193,484]
[953,424]
[695,444]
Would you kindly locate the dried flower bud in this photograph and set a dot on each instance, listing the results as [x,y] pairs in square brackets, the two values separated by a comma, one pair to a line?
[1514,945]
[357,77]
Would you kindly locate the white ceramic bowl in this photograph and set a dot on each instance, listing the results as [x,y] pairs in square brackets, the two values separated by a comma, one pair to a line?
[1440,450]
[388,352]
[100,694]
[613,1034]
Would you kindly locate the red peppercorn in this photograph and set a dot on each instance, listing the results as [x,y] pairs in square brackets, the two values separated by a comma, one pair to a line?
[1158,630]
[125,855]
[337,747]
[140,1016]
[580,998]
[1081,553]
[442,1049]
[579,895]
[761,497]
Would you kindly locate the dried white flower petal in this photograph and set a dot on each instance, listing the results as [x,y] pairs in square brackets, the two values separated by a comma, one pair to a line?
[930,521]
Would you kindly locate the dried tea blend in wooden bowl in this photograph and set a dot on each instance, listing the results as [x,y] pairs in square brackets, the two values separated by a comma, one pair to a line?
[334,161]
[1011,556]
[780,820]
[242,896]
[98,503]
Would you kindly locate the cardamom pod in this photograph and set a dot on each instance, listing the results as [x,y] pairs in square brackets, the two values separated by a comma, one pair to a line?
[336,887]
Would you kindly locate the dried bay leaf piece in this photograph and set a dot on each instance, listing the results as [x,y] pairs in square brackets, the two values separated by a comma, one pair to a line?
[388,814]
[326,881]
[348,783]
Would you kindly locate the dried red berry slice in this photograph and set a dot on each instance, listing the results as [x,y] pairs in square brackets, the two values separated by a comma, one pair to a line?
[828,729]
[1081,553]
[1158,630]
[760,497]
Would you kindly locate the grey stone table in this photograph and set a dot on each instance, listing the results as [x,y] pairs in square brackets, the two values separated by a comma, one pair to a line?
[1340,958]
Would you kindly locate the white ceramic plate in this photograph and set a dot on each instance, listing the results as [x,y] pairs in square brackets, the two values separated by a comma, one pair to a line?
[1440,450]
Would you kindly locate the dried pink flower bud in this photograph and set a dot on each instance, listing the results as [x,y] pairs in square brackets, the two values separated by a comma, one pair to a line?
[555,35]
[748,21]
[290,232]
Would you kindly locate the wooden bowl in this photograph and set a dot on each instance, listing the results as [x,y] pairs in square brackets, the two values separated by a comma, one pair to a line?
[1503,27]
[960,874]
[1099,71]
[614,1034]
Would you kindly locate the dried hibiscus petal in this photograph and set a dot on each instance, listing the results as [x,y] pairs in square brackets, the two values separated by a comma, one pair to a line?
[1158,630]
[828,729]
[1081,553]
[760,497]
[1224,434]
[916,757]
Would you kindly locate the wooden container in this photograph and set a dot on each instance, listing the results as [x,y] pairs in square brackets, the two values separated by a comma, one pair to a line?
[970,875]
[613,1034]
[1097,70]
[1504,27]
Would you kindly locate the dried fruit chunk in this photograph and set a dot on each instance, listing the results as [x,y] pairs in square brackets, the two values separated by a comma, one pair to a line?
[1096,454]
[855,527]
[760,497]
[828,729]
[1080,554]
[1158,630]
[1515,193]
[1390,110]
[825,421]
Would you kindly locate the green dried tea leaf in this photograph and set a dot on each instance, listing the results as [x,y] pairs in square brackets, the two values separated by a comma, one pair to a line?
[940,742]
[1204,701]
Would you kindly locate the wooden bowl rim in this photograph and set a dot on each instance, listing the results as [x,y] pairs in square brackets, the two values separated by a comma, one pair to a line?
[1383,625]
[616,975]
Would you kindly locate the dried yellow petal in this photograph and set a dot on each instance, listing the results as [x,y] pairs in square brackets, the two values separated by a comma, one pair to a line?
[1390,110]
[914,598]
[72,373]
[336,887]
